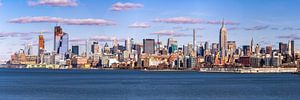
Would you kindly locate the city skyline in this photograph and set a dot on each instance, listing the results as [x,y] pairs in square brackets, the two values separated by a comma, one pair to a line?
[78,17]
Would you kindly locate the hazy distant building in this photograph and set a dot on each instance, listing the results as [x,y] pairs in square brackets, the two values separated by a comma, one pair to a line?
[149,46]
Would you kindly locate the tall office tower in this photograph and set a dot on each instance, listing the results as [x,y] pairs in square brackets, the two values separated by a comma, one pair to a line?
[257,49]
[95,48]
[223,40]
[289,48]
[194,40]
[75,50]
[41,45]
[251,46]
[263,51]
[172,45]
[214,48]
[87,53]
[200,50]
[128,45]
[173,48]
[206,49]
[115,46]
[28,49]
[246,50]
[269,50]
[170,42]
[231,45]
[190,48]
[131,43]
[106,48]
[58,33]
[282,48]
[185,50]
[206,46]
[149,46]
[63,44]
[293,49]
[158,43]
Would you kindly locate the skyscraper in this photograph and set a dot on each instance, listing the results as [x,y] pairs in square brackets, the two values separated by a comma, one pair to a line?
[58,33]
[28,49]
[194,40]
[170,42]
[63,44]
[75,50]
[149,46]
[41,45]
[128,45]
[293,49]
[223,40]
[95,48]
[283,48]
[269,50]
[251,46]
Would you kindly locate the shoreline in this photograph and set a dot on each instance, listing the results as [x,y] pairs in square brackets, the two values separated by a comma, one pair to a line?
[244,70]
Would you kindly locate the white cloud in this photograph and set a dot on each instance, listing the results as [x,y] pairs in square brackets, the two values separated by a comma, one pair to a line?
[179,20]
[139,25]
[54,3]
[46,19]
[125,6]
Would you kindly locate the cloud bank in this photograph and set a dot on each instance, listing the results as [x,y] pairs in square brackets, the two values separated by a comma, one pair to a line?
[54,3]
[178,20]
[47,19]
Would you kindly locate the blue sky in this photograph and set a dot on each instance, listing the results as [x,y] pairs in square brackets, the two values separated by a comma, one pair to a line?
[267,21]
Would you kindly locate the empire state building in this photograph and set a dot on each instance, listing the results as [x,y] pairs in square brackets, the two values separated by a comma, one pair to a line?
[223,40]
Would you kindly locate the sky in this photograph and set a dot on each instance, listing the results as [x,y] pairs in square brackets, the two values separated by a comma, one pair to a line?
[268,22]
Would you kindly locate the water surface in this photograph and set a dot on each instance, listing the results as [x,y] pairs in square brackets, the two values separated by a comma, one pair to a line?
[31,84]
